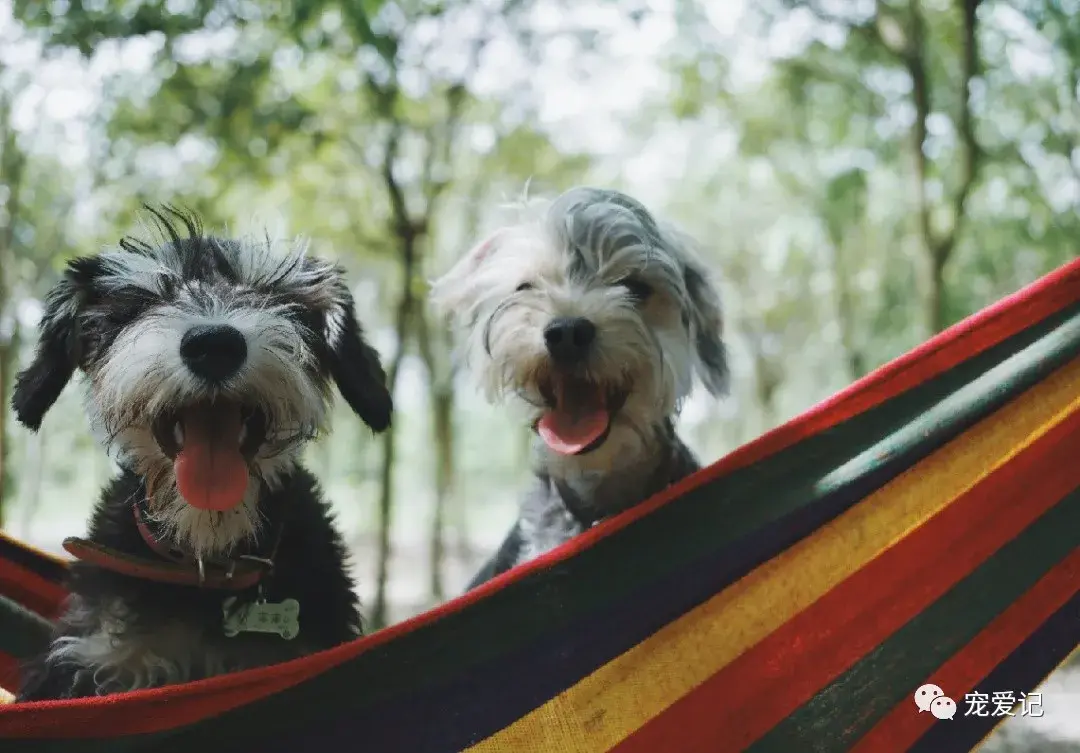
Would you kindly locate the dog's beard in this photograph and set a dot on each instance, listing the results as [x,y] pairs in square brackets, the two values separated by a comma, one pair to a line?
[152,451]
[218,446]
[207,533]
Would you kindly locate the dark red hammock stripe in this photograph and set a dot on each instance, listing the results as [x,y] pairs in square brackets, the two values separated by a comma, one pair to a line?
[903,726]
[789,667]
[30,590]
[41,591]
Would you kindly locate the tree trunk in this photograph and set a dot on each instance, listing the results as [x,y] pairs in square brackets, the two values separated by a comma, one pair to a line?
[443,417]
[408,234]
[937,245]
[932,264]
[441,385]
[12,164]
[384,547]
[767,384]
[935,309]
[767,378]
[408,229]
[846,316]
[8,360]
[33,476]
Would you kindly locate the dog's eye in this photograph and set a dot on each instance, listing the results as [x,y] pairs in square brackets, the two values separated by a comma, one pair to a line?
[639,291]
[127,303]
[524,286]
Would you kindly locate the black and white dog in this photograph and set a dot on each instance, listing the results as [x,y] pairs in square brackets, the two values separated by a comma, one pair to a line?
[593,317]
[208,365]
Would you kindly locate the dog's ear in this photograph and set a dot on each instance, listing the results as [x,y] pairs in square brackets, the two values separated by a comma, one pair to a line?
[455,294]
[56,356]
[354,365]
[706,328]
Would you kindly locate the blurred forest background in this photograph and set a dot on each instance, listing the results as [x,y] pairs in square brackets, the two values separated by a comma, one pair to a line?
[863,173]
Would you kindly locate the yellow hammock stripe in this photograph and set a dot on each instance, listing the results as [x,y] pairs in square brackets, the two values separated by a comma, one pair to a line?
[620,697]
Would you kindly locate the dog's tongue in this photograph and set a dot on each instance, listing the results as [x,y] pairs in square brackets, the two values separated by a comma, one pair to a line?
[210,471]
[579,418]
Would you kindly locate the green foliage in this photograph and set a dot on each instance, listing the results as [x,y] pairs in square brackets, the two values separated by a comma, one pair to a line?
[827,131]
[86,26]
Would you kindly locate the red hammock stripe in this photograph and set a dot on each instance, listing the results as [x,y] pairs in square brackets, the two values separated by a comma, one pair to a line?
[33,592]
[870,605]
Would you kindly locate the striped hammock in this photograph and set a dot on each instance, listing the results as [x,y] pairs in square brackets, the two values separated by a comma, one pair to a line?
[919,527]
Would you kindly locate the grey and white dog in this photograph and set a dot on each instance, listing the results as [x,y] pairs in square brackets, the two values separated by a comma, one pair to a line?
[593,317]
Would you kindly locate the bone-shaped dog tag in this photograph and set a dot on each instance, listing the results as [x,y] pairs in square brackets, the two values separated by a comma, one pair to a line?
[261,616]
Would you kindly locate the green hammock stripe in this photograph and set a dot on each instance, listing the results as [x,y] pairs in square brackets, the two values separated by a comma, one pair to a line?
[25,633]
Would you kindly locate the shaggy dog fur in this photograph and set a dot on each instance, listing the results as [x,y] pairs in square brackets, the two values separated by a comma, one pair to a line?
[591,318]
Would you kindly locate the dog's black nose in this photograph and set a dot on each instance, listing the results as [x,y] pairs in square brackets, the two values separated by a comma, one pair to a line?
[213,351]
[568,339]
